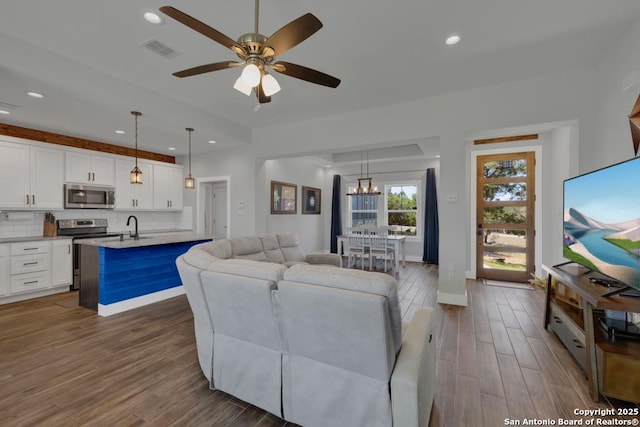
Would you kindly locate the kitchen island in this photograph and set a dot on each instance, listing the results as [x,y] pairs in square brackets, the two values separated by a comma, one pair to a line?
[119,274]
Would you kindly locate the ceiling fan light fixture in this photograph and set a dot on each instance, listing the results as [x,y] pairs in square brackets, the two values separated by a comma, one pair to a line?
[240,86]
[251,75]
[270,85]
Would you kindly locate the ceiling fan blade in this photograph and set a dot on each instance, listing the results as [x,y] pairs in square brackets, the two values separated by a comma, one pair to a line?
[294,33]
[206,68]
[304,73]
[262,98]
[201,27]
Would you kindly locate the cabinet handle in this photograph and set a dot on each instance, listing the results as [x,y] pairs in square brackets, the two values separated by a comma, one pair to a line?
[93,176]
[30,263]
[33,199]
[31,282]
[89,176]
[29,249]
[133,203]
[27,199]
[68,249]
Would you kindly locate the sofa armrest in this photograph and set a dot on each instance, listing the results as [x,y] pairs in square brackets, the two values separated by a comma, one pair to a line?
[414,376]
[328,259]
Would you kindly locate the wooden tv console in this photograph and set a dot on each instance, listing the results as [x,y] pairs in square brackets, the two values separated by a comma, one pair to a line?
[574,306]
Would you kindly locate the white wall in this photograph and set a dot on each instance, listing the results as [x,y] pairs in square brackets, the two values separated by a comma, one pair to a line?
[310,228]
[239,165]
[612,142]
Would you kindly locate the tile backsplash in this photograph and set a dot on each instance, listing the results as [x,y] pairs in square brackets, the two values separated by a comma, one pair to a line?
[29,223]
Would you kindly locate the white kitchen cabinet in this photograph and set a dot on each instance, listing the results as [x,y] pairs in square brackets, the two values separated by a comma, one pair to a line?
[47,178]
[133,196]
[168,182]
[61,263]
[30,266]
[5,274]
[84,168]
[35,268]
[36,177]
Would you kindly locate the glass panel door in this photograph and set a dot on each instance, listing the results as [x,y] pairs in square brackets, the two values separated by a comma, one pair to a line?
[505,217]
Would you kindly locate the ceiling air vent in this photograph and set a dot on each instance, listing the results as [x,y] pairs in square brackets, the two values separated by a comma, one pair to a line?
[160,48]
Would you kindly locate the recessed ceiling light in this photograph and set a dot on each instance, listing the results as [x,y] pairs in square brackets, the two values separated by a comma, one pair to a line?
[120,132]
[35,94]
[172,148]
[4,112]
[153,18]
[212,142]
[453,39]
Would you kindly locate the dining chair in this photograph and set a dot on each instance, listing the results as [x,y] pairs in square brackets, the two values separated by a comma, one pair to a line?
[357,248]
[379,248]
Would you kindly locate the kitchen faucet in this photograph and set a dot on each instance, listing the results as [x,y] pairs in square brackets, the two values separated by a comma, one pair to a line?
[135,236]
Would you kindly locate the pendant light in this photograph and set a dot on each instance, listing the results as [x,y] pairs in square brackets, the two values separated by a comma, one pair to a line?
[189,181]
[136,173]
[365,187]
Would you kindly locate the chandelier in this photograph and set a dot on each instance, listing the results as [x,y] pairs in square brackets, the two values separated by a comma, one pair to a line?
[365,186]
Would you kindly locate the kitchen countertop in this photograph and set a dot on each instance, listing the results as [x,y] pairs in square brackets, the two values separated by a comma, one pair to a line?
[31,239]
[145,240]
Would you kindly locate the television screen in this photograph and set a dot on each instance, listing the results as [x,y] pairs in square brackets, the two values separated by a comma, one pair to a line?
[602,221]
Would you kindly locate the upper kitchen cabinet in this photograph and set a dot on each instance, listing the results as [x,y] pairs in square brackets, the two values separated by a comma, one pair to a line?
[168,182]
[133,196]
[35,175]
[90,169]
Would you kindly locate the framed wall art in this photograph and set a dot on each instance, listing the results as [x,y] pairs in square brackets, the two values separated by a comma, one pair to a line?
[311,200]
[283,198]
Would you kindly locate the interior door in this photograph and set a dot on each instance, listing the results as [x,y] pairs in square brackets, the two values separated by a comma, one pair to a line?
[220,210]
[505,233]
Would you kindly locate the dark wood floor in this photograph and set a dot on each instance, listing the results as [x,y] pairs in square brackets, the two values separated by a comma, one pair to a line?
[62,365]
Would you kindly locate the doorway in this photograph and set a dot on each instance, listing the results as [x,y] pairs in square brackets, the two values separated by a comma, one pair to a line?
[505,216]
[212,217]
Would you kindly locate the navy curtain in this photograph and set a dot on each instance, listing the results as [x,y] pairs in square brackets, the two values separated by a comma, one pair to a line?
[336,216]
[431,233]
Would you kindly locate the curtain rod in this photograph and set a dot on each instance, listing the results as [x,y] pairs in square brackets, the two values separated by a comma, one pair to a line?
[383,173]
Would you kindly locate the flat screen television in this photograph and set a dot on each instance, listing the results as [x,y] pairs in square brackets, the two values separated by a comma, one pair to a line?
[602,223]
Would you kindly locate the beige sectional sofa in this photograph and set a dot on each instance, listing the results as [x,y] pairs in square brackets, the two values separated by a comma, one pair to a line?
[314,344]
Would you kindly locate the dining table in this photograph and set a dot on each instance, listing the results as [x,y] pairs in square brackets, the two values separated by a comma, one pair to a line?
[399,249]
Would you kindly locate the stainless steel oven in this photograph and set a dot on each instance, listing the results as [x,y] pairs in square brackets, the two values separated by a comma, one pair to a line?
[82,229]
[77,196]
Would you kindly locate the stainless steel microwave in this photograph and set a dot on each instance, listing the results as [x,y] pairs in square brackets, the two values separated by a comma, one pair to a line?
[78,196]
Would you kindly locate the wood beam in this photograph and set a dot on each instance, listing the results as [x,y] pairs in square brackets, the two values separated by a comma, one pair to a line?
[506,139]
[87,144]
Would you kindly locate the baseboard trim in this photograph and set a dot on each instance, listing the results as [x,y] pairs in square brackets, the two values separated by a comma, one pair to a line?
[453,299]
[129,304]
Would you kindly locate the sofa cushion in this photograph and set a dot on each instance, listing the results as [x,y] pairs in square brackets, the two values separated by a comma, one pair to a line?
[353,280]
[271,248]
[249,268]
[203,254]
[290,247]
[249,247]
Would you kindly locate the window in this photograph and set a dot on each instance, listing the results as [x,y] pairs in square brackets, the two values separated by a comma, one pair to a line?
[364,210]
[402,208]
[399,205]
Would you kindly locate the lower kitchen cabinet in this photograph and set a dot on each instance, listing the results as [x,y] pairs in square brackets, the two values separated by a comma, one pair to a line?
[5,275]
[35,268]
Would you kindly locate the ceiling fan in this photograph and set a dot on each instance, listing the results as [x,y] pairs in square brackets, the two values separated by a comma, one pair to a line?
[258,53]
